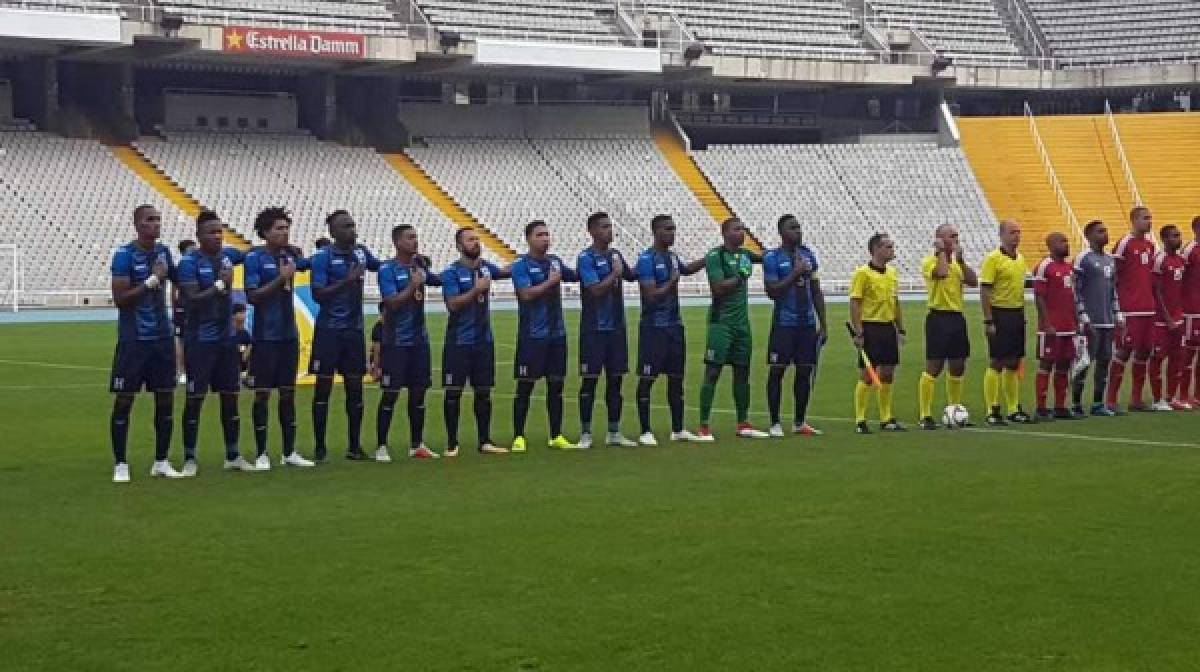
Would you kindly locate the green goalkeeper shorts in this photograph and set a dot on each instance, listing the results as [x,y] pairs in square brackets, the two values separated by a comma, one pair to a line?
[729,344]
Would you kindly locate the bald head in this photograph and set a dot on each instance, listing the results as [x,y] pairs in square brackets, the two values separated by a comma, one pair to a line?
[1010,234]
[1057,245]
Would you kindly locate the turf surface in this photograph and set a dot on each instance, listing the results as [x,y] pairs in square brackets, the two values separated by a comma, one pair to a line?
[1062,546]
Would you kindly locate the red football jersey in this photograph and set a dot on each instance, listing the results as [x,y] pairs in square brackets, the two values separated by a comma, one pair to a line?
[1191,278]
[1135,275]
[1053,281]
[1168,277]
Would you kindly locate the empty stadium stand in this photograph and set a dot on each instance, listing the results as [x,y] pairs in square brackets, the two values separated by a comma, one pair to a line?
[1085,159]
[361,16]
[69,203]
[967,30]
[843,193]
[1162,151]
[1098,32]
[552,20]
[83,6]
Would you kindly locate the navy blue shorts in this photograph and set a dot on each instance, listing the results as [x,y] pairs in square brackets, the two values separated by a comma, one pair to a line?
[273,364]
[661,351]
[341,351]
[138,364]
[606,351]
[792,346]
[405,366]
[212,366]
[474,364]
[540,358]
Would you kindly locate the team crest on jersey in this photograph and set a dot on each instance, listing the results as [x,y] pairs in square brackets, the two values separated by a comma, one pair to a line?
[360,256]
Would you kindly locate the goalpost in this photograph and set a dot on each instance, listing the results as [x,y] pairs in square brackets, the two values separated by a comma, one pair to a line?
[10,277]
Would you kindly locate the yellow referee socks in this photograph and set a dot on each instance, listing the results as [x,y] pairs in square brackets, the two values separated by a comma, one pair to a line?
[860,401]
[991,388]
[885,402]
[925,394]
[954,389]
[1012,390]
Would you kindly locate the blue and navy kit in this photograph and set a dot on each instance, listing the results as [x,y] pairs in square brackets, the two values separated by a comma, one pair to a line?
[404,326]
[331,265]
[654,266]
[274,318]
[471,326]
[213,321]
[149,319]
[541,318]
[795,308]
[602,313]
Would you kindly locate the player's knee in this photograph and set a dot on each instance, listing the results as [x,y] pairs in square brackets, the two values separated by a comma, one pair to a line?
[957,368]
[934,367]
[263,396]
[712,374]
[122,405]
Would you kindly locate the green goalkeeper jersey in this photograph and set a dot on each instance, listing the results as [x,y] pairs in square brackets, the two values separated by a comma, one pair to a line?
[722,264]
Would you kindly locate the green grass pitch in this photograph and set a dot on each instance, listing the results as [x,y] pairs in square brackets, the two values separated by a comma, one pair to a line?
[1065,546]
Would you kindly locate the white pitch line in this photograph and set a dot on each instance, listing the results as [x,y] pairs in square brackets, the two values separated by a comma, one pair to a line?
[53,365]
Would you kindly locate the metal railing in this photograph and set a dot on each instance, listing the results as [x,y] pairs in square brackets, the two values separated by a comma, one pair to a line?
[1060,194]
[1031,32]
[1125,167]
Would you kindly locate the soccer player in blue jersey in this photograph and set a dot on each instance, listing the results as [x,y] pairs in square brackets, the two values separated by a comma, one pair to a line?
[145,355]
[797,323]
[662,347]
[210,352]
[339,345]
[404,350]
[275,354]
[541,333]
[603,345]
[468,353]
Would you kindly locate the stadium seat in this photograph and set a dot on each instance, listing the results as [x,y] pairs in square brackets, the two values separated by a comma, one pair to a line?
[1099,32]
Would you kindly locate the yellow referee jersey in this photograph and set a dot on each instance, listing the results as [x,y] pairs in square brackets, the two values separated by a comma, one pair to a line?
[878,289]
[944,293]
[1006,275]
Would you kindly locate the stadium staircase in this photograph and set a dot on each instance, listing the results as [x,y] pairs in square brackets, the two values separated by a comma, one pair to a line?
[149,173]
[1004,157]
[676,154]
[433,192]
[1085,158]
[1162,150]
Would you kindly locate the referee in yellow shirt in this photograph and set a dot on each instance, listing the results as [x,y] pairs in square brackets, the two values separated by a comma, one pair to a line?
[1002,294]
[878,329]
[947,345]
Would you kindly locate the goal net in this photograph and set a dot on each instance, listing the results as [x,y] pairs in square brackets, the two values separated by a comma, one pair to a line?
[10,277]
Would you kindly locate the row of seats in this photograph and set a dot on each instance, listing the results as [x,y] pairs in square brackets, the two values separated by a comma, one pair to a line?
[361,16]
[553,20]
[521,121]
[963,29]
[1097,32]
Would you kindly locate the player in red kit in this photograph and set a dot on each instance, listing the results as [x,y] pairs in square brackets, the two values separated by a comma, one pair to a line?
[1134,255]
[1190,373]
[1054,293]
[1169,266]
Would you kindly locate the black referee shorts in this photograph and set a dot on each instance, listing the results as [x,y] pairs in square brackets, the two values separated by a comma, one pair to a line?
[946,336]
[881,343]
[1009,341]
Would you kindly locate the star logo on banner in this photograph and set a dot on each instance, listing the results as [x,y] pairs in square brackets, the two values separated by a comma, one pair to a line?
[234,40]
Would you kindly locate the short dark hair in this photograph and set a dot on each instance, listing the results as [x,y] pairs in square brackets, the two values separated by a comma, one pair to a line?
[1091,226]
[595,218]
[334,215]
[205,217]
[398,231]
[185,244]
[728,223]
[658,221]
[1136,210]
[239,308]
[321,243]
[267,218]
[1169,228]
[875,241]
[783,221]
[459,234]
[137,212]
[533,225]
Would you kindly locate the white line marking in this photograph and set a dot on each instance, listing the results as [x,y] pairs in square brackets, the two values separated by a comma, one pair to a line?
[53,365]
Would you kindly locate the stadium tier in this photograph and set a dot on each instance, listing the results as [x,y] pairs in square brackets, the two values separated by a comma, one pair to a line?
[906,190]
[569,20]
[68,203]
[1112,31]
[367,16]
[961,28]
[84,6]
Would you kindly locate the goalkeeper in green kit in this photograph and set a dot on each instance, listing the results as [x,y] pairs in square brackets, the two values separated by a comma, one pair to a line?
[730,340]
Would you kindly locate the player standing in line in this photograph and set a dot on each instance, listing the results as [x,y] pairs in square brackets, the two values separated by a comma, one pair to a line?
[662,346]
[179,312]
[145,355]
[730,340]
[1169,267]
[242,338]
[947,343]
[338,342]
[1002,296]
[1134,254]
[1054,294]
[603,343]
[209,349]
[469,353]
[1098,314]
[275,355]
[798,323]
[1190,375]
[404,351]
[879,331]
[541,333]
